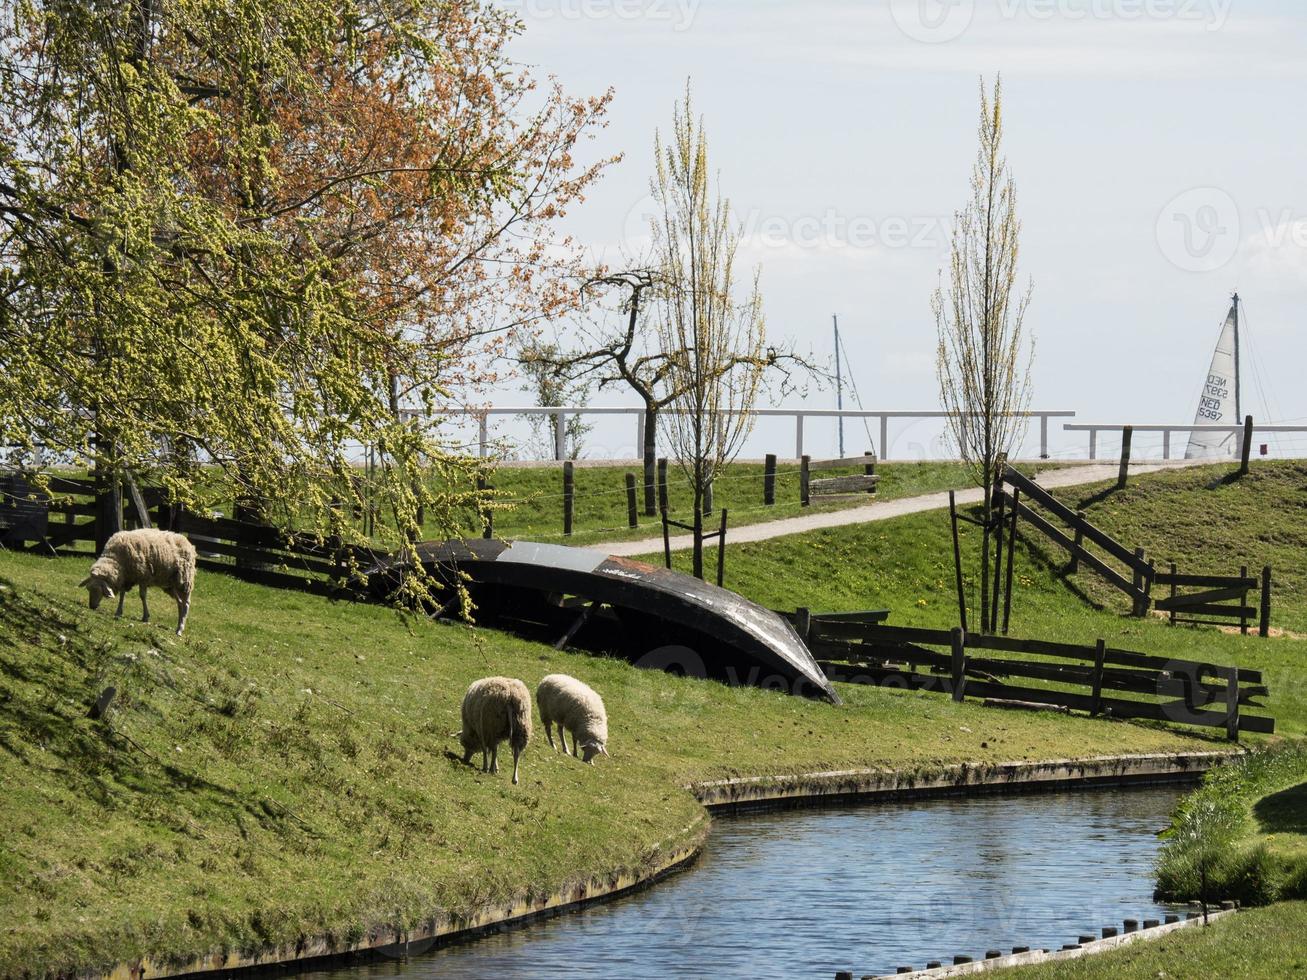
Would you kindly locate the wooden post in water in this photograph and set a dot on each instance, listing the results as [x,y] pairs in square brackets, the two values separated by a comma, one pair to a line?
[569,497]
[632,504]
[957,558]
[769,481]
[1247,445]
[1264,627]
[804,497]
[959,663]
[1127,437]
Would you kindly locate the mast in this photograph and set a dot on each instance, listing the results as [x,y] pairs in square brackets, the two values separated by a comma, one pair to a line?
[839,382]
[1238,407]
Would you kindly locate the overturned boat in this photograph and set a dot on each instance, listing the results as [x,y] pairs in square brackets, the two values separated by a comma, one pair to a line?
[652,616]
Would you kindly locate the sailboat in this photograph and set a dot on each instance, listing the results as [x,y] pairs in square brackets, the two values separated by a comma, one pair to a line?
[1219,403]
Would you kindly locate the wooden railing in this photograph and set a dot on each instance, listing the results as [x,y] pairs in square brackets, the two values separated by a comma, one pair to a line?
[1091,677]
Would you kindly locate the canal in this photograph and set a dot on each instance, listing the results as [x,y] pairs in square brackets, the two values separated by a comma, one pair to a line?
[805,893]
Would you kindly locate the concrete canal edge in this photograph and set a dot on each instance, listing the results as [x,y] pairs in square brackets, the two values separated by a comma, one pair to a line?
[719,797]
[966,779]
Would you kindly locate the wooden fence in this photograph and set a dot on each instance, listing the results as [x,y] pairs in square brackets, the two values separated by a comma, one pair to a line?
[1224,599]
[837,486]
[1092,679]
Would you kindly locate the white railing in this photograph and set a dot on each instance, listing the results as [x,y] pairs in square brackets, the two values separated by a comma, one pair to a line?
[1166,430]
[561,414]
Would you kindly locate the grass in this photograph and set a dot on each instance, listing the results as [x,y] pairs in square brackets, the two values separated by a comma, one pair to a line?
[1243,835]
[535,496]
[1264,944]
[286,769]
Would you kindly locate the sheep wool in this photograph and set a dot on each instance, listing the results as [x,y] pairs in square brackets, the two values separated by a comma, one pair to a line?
[496,709]
[144,557]
[575,707]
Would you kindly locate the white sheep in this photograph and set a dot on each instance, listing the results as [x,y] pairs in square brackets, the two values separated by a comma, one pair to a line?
[144,557]
[495,709]
[575,708]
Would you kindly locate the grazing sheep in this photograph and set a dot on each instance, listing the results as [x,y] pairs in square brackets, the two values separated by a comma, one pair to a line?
[495,709]
[144,557]
[576,708]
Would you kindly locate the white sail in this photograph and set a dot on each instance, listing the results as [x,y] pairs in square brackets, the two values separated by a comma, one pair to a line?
[1219,402]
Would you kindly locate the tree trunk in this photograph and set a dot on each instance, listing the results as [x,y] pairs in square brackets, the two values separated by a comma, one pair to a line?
[650,458]
[986,516]
[698,526]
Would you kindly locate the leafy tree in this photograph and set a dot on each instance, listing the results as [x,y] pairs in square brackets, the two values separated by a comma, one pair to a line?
[984,358]
[240,235]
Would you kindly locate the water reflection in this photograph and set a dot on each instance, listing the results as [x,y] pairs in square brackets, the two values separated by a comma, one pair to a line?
[807,893]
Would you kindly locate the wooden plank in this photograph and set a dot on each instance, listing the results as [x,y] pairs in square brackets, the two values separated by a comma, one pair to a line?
[1128,658]
[1233,612]
[860,653]
[1080,554]
[873,616]
[314,565]
[1072,519]
[842,484]
[1011,644]
[849,462]
[1206,581]
[886,635]
[279,580]
[1202,598]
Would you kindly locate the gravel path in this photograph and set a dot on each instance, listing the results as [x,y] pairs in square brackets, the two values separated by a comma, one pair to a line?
[1069,476]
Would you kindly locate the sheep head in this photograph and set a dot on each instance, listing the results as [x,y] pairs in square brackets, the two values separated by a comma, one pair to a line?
[591,749]
[97,589]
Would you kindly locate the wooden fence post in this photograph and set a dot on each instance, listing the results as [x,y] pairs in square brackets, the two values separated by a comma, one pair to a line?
[959,663]
[1100,655]
[667,539]
[1074,567]
[1001,521]
[632,504]
[1264,627]
[803,624]
[662,484]
[721,552]
[569,497]
[707,498]
[1127,437]
[1232,705]
[1011,550]
[804,498]
[487,513]
[1247,445]
[1140,607]
[957,558]
[1173,594]
[769,481]
[1243,615]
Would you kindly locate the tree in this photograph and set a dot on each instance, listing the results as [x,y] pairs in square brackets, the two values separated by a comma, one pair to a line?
[553,390]
[238,235]
[983,357]
[716,343]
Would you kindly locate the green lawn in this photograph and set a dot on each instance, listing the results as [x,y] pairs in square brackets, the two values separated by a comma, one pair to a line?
[1263,944]
[286,769]
[533,497]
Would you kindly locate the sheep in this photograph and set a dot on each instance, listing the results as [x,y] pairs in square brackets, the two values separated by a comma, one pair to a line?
[144,557]
[495,709]
[574,707]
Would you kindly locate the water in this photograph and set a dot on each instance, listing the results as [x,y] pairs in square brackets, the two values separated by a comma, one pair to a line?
[871,888]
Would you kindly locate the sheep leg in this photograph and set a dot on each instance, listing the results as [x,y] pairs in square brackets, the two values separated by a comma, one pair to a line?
[494,758]
[485,760]
[562,737]
[122,598]
[183,610]
[549,734]
[145,606]
[516,756]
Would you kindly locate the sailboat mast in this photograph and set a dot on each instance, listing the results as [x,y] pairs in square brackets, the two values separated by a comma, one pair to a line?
[1238,406]
[839,382]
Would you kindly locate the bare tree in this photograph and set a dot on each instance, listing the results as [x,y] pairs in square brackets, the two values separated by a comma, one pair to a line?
[984,356]
[716,343]
[552,389]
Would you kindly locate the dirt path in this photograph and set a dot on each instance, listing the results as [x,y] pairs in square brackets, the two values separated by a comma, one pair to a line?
[1070,476]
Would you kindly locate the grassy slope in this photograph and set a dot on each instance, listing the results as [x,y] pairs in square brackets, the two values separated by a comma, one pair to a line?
[535,497]
[285,769]
[1265,944]
[906,565]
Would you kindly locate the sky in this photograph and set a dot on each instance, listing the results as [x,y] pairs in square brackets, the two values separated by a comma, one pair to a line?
[1158,150]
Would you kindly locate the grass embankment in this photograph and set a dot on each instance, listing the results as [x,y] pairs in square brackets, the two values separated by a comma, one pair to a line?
[285,770]
[1265,944]
[1243,835]
[906,566]
[534,497]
